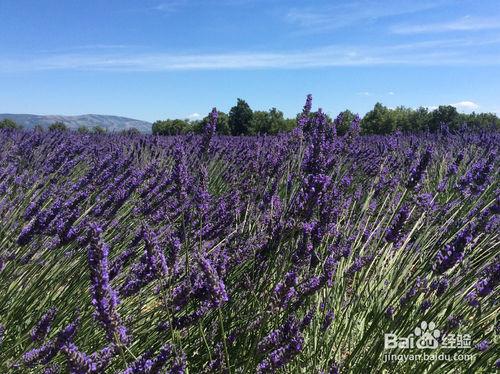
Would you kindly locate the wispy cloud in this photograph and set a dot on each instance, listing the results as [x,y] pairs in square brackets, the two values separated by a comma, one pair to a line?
[463,24]
[364,93]
[391,93]
[322,18]
[433,53]
[169,6]
[194,116]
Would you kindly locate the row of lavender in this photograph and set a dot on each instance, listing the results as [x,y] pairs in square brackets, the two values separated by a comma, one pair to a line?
[293,253]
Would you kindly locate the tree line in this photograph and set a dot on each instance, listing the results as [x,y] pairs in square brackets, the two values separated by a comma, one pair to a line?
[242,120]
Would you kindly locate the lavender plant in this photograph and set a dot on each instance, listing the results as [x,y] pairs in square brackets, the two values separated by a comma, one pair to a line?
[291,253]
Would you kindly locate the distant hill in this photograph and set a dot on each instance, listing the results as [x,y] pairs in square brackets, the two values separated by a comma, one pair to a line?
[111,123]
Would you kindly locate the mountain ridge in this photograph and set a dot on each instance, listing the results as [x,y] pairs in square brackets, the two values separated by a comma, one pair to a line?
[109,122]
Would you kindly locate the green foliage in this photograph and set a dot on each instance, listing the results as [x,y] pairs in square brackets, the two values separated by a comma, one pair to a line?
[482,120]
[130,132]
[382,120]
[58,126]
[378,121]
[222,124]
[444,115]
[171,127]
[271,122]
[344,125]
[9,124]
[99,130]
[419,120]
[82,130]
[240,118]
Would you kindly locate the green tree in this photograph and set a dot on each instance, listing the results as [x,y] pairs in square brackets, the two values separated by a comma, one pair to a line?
[240,118]
[58,126]
[343,122]
[260,123]
[482,120]
[170,127]
[419,120]
[7,123]
[378,121]
[277,122]
[444,114]
[289,124]
[270,122]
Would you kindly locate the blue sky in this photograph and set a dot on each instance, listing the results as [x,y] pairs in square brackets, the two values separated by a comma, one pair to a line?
[152,59]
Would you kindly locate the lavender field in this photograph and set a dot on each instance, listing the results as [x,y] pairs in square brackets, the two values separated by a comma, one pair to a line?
[294,253]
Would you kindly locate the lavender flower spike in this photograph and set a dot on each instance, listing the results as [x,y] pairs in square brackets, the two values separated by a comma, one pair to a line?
[42,328]
[104,297]
[418,171]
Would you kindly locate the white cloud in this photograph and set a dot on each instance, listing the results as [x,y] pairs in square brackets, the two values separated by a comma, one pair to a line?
[364,93]
[433,53]
[322,18]
[194,116]
[465,105]
[391,93]
[463,24]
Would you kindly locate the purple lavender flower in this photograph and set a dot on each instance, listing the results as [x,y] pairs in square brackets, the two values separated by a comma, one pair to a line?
[152,265]
[426,304]
[389,312]
[49,350]
[417,173]
[452,322]
[52,369]
[78,361]
[355,128]
[327,321]
[478,177]
[209,130]
[285,291]
[307,106]
[179,365]
[419,286]
[104,297]
[142,364]
[453,252]
[439,285]
[359,263]
[395,232]
[2,334]
[212,283]
[42,328]
[483,345]
[281,356]
[490,278]
[310,286]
